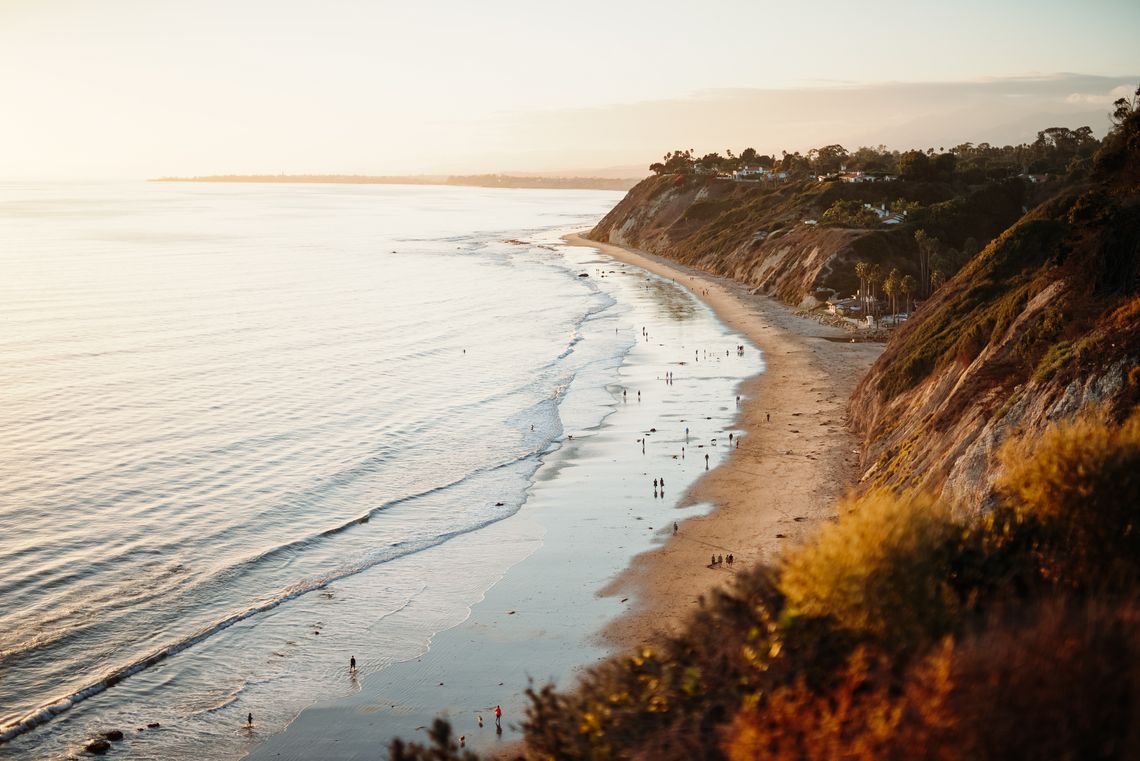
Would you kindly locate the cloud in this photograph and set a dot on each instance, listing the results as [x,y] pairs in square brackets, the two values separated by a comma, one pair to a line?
[1120,91]
[898,114]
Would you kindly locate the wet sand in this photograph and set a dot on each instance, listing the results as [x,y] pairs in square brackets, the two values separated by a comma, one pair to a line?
[591,509]
[797,454]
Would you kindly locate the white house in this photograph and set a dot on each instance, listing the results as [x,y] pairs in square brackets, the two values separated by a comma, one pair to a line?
[751,173]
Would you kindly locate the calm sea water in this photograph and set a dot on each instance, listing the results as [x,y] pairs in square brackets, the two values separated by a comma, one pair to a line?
[217,400]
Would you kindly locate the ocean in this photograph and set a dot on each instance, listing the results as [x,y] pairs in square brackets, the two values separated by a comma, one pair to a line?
[223,406]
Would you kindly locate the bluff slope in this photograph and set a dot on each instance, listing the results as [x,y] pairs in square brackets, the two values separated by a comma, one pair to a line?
[1041,325]
[756,233]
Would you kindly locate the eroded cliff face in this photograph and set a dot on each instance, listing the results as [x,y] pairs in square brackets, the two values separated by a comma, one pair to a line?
[759,233]
[750,232]
[1042,325]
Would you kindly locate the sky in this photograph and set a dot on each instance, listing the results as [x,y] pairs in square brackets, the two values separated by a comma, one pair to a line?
[93,89]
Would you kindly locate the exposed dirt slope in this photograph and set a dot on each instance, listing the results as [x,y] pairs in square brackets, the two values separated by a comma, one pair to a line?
[1040,325]
[755,233]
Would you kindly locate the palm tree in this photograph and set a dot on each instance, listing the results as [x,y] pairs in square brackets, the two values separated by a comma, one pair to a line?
[863,272]
[907,287]
[891,288]
[937,278]
[875,277]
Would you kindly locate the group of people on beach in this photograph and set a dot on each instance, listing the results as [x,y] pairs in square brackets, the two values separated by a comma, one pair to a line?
[719,560]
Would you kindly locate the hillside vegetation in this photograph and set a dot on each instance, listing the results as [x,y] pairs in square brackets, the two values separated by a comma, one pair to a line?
[797,234]
[1044,322]
[980,597]
[756,233]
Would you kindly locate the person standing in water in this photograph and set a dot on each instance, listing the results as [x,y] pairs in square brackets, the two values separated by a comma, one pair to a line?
[249,720]
[352,663]
[499,718]
[706,462]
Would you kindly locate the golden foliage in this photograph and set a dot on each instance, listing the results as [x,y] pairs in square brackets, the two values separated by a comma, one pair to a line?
[1078,484]
[883,569]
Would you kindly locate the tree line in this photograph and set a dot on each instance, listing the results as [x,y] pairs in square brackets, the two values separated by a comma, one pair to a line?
[1056,150]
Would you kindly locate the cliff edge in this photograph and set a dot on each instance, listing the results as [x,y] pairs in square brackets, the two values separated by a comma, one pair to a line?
[1042,325]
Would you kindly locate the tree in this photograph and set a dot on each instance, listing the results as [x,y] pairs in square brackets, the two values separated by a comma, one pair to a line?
[829,158]
[891,288]
[849,214]
[942,166]
[863,272]
[875,276]
[907,288]
[711,162]
[914,165]
[678,162]
[1122,108]
[937,278]
[928,248]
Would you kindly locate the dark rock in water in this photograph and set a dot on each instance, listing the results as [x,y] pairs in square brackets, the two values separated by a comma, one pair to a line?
[498,504]
[584,274]
[114,735]
[98,747]
[153,725]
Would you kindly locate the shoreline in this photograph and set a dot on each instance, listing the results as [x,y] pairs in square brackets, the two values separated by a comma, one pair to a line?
[796,458]
[589,510]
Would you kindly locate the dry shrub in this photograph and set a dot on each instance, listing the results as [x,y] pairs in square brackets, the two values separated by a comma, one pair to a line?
[1078,487]
[1063,684]
[885,569]
[1059,681]
[667,702]
[864,717]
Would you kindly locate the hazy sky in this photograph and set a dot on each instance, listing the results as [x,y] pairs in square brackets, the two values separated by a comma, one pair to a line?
[139,88]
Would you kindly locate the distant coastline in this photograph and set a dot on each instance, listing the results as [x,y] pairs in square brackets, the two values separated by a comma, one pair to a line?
[473,180]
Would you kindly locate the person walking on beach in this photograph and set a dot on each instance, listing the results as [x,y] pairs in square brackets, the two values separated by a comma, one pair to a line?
[499,718]
[249,720]
[674,528]
[706,462]
[768,417]
[662,484]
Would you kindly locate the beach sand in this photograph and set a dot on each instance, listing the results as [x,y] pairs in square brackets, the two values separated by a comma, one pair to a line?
[591,508]
[796,457]
[594,566]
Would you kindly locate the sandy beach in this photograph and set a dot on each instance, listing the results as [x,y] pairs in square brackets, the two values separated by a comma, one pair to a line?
[591,565]
[797,454]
